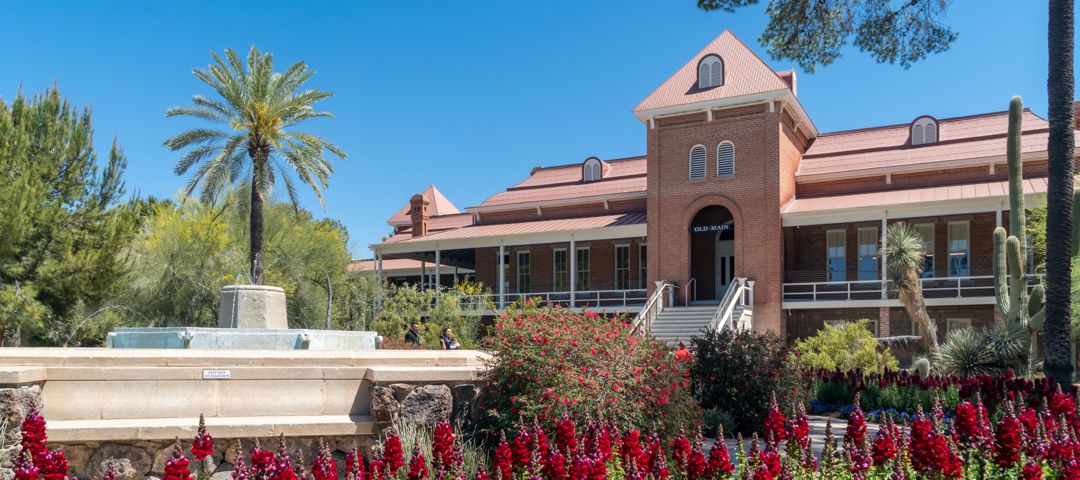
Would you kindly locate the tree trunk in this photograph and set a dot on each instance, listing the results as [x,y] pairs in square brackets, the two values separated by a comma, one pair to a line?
[1059,87]
[256,224]
[329,302]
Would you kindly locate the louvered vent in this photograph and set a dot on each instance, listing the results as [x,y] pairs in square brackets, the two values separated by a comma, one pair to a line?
[697,162]
[725,159]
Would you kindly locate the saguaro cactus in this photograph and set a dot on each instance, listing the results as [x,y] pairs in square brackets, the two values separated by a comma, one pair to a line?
[1018,308]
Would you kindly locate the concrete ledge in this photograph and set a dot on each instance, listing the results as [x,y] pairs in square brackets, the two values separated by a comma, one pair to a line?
[16,376]
[106,357]
[449,375]
[126,430]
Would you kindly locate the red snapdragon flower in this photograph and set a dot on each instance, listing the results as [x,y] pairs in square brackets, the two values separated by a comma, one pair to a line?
[968,428]
[884,447]
[503,461]
[800,427]
[417,464]
[34,438]
[322,468]
[24,466]
[565,436]
[555,465]
[1032,471]
[203,445]
[775,423]
[696,464]
[719,458]
[442,447]
[856,425]
[393,455]
[522,447]
[176,467]
[55,466]
[1008,441]
[680,450]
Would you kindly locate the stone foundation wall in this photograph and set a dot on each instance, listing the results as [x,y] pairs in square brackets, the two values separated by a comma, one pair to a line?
[131,405]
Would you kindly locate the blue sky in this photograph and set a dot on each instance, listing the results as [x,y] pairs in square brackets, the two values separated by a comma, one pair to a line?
[471,95]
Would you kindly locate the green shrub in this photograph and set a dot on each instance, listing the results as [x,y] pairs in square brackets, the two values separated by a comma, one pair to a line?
[968,352]
[739,372]
[715,418]
[550,361]
[846,346]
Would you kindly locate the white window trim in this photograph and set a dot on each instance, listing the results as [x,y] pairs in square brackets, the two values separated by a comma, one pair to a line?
[643,267]
[858,252]
[555,270]
[578,269]
[948,246]
[615,264]
[711,60]
[827,257]
[704,165]
[933,245]
[924,124]
[718,146]
[517,271]
[592,170]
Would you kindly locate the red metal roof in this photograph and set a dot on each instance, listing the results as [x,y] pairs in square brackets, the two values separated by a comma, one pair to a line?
[965,191]
[391,265]
[744,74]
[438,204]
[625,175]
[976,136]
[520,228]
[444,222]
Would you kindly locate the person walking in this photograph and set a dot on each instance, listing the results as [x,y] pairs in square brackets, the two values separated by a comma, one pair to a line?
[413,335]
[449,342]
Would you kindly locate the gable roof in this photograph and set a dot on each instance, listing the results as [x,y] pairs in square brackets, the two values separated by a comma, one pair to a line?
[438,204]
[744,74]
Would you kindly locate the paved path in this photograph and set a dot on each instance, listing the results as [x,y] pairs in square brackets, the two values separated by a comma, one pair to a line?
[817,435]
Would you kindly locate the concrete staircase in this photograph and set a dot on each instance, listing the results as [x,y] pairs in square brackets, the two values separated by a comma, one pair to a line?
[674,324]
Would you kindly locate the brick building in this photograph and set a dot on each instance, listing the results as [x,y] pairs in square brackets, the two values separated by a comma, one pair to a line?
[739,192]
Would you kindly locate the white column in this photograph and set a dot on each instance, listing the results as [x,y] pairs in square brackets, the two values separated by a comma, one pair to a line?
[438,267]
[884,256]
[423,274]
[378,266]
[573,270]
[502,277]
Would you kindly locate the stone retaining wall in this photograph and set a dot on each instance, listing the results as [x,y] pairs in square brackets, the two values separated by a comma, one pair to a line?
[103,404]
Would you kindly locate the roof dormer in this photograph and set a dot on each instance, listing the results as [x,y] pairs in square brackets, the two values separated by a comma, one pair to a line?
[924,131]
[710,72]
[592,170]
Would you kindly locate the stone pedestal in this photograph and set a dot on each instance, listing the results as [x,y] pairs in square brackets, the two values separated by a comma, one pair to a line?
[252,306]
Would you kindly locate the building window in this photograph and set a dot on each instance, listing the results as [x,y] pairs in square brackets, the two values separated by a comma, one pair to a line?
[643,263]
[836,244]
[868,253]
[523,272]
[710,72]
[592,170]
[559,270]
[959,249]
[924,130]
[725,159]
[622,267]
[582,268]
[697,162]
[926,230]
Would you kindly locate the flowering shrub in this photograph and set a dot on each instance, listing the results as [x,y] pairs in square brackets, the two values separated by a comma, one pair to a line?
[738,372]
[551,361]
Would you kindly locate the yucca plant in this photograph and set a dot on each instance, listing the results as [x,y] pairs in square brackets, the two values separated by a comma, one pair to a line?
[252,143]
[905,260]
[969,352]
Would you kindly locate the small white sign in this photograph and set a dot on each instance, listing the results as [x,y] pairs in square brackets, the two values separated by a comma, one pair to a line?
[216,374]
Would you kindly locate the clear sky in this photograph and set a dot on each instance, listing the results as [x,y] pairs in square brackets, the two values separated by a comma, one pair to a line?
[470,95]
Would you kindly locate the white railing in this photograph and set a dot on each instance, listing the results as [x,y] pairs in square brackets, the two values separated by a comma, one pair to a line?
[690,291]
[579,299]
[657,301]
[935,287]
[739,293]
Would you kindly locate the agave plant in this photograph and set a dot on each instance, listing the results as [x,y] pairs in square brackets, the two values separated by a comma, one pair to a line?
[969,352]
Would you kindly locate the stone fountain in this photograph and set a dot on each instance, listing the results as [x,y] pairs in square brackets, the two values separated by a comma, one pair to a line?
[250,317]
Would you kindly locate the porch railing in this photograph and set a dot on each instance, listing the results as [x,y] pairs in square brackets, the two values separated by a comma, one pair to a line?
[580,299]
[939,287]
[660,298]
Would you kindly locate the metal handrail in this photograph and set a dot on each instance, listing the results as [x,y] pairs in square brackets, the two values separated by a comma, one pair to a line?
[619,298]
[691,286]
[735,295]
[644,319]
[929,285]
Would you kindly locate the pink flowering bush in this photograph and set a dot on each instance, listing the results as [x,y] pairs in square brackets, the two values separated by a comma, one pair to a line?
[551,361]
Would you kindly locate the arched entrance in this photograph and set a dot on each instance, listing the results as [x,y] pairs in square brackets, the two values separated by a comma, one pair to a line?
[712,253]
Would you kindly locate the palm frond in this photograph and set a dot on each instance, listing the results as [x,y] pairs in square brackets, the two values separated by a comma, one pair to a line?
[196,136]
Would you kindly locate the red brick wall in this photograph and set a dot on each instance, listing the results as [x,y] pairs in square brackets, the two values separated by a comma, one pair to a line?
[805,323]
[752,196]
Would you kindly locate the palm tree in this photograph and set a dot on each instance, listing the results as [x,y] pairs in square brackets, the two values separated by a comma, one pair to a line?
[253,144]
[905,257]
[1059,195]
